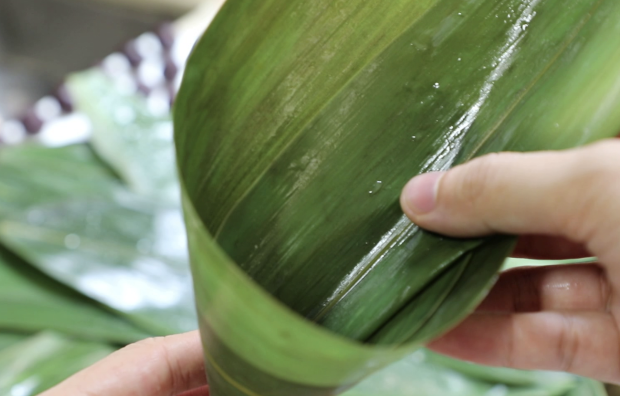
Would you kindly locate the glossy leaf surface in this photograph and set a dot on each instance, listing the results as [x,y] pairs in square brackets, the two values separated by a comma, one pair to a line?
[131,134]
[43,361]
[8,339]
[31,302]
[297,125]
[64,212]
[427,374]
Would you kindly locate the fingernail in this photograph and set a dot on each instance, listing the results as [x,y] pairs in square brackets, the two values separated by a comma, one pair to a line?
[420,193]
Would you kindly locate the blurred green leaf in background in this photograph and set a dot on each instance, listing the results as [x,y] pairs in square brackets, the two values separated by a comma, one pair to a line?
[42,361]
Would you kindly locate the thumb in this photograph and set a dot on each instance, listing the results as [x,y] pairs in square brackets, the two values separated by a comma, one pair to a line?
[156,367]
[574,194]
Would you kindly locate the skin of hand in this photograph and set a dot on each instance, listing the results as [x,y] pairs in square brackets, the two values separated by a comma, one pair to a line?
[563,204]
[163,366]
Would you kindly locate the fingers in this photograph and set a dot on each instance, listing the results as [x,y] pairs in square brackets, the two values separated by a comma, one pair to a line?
[550,288]
[584,343]
[574,194]
[544,247]
[161,366]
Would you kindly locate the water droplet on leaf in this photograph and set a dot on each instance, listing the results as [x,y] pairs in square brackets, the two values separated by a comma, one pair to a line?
[376,187]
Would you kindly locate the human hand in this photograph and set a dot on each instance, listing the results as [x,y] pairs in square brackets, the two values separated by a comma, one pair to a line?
[163,366]
[563,205]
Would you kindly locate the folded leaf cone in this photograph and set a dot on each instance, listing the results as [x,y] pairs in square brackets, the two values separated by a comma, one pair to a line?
[298,124]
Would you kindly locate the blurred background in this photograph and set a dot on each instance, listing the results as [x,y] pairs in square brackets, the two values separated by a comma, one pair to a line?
[41,41]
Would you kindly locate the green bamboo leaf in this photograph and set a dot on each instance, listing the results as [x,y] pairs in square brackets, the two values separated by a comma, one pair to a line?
[588,387]
[63,211]
[560,382]
[296,127]
[31,302]
[43,361]
[135,139]
[427,374]
[8,339]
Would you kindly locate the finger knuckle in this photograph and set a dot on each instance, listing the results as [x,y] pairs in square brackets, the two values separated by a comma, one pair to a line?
[175,376]
[474,179]
[594,177]
[601,162]
[568,343]
[156,349]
